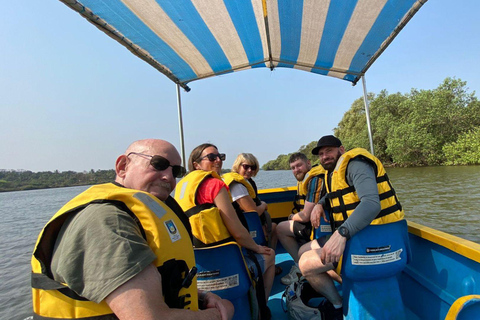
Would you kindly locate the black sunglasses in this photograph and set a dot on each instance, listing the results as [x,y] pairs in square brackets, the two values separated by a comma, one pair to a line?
[160,164]
[213,156]
[247,166]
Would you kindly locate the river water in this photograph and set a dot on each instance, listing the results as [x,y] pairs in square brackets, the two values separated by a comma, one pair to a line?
[444,198]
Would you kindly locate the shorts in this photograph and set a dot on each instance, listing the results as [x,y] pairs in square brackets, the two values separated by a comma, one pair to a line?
[321,241]
[302,232]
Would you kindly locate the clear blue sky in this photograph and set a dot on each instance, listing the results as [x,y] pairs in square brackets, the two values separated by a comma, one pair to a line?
[71,98]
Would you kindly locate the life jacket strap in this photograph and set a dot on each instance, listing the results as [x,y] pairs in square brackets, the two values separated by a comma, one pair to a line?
[199,244]
[296,206]
[197,209]
[260,288]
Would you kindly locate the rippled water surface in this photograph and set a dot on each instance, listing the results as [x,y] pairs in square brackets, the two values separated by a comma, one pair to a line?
[23,214]
[444,198]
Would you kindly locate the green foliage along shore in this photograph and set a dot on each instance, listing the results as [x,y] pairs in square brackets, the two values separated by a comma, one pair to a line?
[12,180]
[420,128]
[27,180]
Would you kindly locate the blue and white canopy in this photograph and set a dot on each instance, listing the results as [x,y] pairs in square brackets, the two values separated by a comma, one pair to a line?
[193,39]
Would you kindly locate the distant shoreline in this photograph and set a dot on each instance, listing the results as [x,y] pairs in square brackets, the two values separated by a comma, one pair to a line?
[41,188]
[28,180]
[11,181]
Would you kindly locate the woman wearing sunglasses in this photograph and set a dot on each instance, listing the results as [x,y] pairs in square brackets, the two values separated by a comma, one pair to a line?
[205,198]
[245,193]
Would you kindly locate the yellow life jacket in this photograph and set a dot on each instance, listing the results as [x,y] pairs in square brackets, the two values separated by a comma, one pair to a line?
[299,200]
[208,228]
[302,190]
[344,199]
[230,177]
[211,237]
[163,230]
[302,186]
[314,172]
[249,219]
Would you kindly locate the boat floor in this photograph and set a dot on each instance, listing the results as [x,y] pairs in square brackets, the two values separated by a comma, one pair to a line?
[275,303]
[284,260]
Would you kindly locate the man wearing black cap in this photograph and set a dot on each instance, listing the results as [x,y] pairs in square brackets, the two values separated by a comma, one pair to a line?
[355,179]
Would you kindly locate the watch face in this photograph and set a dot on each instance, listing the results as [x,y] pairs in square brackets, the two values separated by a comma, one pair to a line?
[343,231]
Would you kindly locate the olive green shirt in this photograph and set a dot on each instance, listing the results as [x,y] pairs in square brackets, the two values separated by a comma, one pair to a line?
[98,250]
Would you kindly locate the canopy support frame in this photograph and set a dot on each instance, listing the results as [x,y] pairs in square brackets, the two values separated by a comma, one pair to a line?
[180,125]
[267,32]
[367,113]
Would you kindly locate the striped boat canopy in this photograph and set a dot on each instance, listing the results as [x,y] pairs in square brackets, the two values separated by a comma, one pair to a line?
[194,39]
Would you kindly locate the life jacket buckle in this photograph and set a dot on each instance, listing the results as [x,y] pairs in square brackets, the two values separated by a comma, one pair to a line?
[189,277]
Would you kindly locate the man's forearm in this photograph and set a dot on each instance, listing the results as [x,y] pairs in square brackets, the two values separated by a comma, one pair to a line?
[304,215]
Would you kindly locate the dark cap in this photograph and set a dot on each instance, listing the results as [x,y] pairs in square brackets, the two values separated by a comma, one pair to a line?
[326,141]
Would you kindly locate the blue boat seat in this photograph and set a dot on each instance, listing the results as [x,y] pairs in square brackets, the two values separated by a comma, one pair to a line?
[255,227]
[223,271]
[371,262]
[325,229]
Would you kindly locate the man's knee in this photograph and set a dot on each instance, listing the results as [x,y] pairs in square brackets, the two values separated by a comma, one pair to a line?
[310,263]
[283,228]
[304,263]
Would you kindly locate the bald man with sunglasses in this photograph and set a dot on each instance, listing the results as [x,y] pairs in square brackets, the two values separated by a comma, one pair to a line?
[123,250]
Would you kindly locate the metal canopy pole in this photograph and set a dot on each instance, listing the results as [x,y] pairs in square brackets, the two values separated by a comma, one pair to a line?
[367,111]
[180,125]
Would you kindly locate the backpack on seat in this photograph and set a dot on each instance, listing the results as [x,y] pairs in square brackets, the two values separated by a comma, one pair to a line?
[297,296]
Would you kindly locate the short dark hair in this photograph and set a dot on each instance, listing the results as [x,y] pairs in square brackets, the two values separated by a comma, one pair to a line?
[297,155]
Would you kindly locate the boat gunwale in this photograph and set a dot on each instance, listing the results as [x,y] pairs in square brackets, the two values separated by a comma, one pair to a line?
[281,189]
[464,247]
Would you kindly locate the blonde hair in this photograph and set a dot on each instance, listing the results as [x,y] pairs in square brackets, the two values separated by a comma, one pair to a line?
[246,158]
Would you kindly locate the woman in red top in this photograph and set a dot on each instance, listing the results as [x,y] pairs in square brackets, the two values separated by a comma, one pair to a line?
[211,190]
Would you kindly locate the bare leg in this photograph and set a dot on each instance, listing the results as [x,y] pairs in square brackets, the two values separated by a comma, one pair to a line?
[273,235]
[312,245]
[335,276]
[316,273]
[269,273]
[287,239]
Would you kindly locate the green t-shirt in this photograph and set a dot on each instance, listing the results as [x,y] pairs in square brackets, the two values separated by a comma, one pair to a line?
[98,250]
